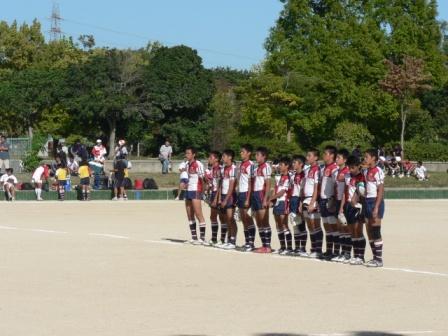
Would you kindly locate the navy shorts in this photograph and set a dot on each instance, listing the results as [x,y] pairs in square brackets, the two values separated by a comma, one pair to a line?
[211,198]
[85,181]
[257,200]
[352,214]
[193,195]
[369,204]
[62,183]
[184,180]
[230,202]
[323,208]
[280,208]
[242,197]
[294,203]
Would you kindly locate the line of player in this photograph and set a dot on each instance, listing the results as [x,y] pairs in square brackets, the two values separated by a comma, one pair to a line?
[343,194]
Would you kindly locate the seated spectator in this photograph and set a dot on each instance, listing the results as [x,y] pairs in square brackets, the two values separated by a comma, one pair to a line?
[72,165]
[394,168]
[8,182]
[408,168]
[421,172]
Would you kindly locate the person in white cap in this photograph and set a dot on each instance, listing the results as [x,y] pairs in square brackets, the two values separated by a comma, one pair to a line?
[121,152]
[99,152]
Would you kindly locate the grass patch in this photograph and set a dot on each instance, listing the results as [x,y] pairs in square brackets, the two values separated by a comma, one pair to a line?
[436,180]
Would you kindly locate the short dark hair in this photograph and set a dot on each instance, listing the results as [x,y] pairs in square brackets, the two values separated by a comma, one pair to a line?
[299,158]
[216,154]
[315,151]
[332,150]
[192,149]
[344,153]
[420,162]
[263,151]
[9,170]
[353,161]
[373,153]
[286,160]
[228,152]
[247,147]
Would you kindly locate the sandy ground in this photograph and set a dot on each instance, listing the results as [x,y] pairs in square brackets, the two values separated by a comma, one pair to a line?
[104,268]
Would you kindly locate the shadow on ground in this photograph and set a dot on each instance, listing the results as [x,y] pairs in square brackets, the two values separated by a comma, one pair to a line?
[353,333]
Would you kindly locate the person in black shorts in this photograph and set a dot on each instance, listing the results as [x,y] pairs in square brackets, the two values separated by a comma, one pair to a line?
[119,173]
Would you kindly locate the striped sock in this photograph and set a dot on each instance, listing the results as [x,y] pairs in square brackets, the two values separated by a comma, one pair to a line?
[268,235]
[337,243]
[215,228]
[372,246]
[194,234]
[262,234]
[252,232]
[303,237]
[202,227]
[297,233]
[319,240]
[281,238]
[362,247]
[223,232]
[288,238]
[379,250]
[329,239]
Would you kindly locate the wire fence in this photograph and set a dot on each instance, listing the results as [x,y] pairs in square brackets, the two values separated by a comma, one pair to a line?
[19,147]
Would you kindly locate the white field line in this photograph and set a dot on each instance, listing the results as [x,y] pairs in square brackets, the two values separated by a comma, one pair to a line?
[108,235]
[394,269]
[410,332]
[2,227]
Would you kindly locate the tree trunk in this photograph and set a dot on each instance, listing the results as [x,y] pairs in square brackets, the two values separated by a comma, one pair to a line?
[112,130]
[289,134]
[30,132]
[403,126]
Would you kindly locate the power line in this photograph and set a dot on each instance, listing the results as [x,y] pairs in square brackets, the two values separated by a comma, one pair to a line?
[146,38]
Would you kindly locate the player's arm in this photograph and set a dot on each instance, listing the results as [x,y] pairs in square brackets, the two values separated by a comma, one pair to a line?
[267,189]
[230,192]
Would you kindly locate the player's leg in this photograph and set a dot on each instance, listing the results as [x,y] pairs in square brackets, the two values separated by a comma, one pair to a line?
[375,237]
[191,220]
[231,224]
[197,207]
[280,232]
[288,236]
[267,230]
[13,192]
[359,243]
[214,225]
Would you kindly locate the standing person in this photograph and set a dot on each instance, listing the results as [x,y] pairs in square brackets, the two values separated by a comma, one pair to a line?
[165,153]
[244,195]
[353,216]
[120,166]
[327,202]
[281,207]
[193,198]
[227,197]
[296,217]
[121,152]
[42,172]
[374,206]
[183,178]
[61,178]
[84,176]
[4,153]
[214,160]
[342,239]
[8,182]
[357,151]
[260,198]
[309,205]
[99,152]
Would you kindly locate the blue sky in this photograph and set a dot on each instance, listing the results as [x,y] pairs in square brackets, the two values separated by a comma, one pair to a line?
[225,33]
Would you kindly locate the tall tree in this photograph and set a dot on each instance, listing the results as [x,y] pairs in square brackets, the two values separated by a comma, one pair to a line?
[405,81]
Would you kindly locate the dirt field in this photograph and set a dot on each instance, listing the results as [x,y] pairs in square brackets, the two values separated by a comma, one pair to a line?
[104,268]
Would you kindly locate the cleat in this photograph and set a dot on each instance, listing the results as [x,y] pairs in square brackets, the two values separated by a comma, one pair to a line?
[198,242]
[346,259]
[211,243]
[336,259]
[247,248]
[263,250]
[286,252]
[356,262]
[279,251]
[219,245]
[374,263]
[229,246]
[315,255]
[115,199]
[328,256]
[303,254]
[191,241]
[40,199]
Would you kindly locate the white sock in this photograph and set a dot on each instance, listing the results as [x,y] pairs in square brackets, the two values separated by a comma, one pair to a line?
[38,191]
